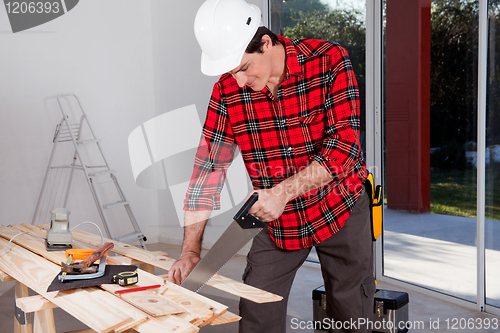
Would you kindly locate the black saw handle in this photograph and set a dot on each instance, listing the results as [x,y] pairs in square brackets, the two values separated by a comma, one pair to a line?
[246,220]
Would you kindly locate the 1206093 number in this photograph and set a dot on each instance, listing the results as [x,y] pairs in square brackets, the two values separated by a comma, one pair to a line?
[32,7]
[471,323]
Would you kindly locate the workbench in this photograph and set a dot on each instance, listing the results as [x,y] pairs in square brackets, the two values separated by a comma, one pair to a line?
[169,308]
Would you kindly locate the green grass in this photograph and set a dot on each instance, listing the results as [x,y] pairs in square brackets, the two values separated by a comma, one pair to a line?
[453,192]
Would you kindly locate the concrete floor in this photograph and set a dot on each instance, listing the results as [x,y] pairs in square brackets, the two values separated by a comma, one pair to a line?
[422,309]
[439,252]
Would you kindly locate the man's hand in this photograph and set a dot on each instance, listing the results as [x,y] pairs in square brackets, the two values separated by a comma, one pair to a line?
[182,267]
[194,226]
[270,205]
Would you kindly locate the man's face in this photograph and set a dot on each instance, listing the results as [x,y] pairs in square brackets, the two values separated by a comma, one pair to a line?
[254,70]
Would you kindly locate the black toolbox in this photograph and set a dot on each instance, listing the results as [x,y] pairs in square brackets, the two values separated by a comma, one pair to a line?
[390,311]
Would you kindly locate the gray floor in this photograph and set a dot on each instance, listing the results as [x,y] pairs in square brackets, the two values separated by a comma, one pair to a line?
[440,253]
[422,309]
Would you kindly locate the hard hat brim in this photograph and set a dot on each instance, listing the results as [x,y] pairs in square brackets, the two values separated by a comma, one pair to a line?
[218,67]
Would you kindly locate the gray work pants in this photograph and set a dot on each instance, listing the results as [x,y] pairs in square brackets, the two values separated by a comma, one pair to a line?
[346,264]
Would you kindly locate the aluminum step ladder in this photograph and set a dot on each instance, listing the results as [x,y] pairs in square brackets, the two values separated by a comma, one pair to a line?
[67,132]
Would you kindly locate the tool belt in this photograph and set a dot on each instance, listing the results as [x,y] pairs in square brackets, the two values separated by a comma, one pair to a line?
[375,193]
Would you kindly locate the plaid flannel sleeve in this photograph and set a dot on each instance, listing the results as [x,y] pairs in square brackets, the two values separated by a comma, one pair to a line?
[341,146]
[214,155]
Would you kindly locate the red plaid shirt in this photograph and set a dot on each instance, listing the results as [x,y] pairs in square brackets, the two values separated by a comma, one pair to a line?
[314,117]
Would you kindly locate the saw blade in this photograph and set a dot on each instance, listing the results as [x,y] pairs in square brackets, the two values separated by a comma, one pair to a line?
[231,241]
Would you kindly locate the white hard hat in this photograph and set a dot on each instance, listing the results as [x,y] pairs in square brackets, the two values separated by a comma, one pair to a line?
[224,28]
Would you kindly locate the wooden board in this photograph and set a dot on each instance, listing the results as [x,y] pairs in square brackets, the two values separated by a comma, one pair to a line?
[222,283]
[187,299]
[169,324]
[37,303]
[226,318]
[26,240]
[195,308]
[37,273]
[4,277]
[201,310]
[34,303]
[148,301]
[102,312]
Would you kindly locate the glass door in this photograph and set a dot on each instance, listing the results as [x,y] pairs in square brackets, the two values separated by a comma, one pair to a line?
[430,144]
[492,162]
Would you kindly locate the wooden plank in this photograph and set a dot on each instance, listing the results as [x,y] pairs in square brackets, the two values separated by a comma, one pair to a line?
[116,303]
[34,303]
[155,305]
[242,290]
[176,325]
[144,326]
[4,277]
[148,301]
[39,303]
[187,299]
[37,273]
[225,318]
[107,300]
[30,242]
[37,245]
[222,283]
[198,309]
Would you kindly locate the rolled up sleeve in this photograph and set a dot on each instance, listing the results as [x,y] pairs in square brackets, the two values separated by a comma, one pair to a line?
[213,157]
[341,146]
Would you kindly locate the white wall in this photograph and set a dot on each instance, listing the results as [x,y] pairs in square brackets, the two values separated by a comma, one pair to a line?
[128,61]
[100,50]
[179,82]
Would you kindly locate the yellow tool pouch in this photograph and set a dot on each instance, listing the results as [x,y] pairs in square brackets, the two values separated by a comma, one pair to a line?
[375,193]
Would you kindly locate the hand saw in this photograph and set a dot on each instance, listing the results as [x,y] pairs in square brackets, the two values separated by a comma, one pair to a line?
[240,231]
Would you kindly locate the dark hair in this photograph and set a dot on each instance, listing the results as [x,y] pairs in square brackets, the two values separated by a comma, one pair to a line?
[255,45]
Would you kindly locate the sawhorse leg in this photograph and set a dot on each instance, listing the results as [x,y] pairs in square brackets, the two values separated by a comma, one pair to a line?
[147,267]
[41,312]
[21,291]
[44,322]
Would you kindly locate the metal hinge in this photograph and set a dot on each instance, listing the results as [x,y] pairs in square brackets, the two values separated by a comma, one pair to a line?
[323,301]
[22,317]
[379,308]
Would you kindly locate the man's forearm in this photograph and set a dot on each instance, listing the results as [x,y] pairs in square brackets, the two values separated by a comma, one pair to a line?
[272,201]
[306,180]
[194,227]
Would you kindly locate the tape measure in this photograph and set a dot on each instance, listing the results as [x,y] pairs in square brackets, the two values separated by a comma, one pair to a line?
[125,278]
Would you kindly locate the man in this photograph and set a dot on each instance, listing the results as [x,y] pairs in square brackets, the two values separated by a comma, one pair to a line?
[292,107]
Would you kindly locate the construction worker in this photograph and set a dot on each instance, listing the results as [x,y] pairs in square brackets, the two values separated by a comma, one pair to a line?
[292,108]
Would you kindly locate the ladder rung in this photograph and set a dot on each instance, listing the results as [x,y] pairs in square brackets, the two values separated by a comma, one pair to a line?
[101,173]
[115,204]
[89,141]
[130,237]
[66,167]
